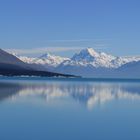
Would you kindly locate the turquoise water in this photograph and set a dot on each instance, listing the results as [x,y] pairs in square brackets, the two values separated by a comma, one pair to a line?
[75,109]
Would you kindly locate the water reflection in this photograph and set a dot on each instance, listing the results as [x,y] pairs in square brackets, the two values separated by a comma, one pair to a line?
[87,93]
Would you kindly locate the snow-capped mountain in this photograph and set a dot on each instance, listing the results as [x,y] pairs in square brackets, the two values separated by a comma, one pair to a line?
[50,59]
[86,63]
[90,57]
[10,65]
[46,61]
[85,57]
[89,63]
[120,61]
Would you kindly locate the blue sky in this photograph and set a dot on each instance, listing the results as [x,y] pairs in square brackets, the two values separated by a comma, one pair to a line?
[63,27]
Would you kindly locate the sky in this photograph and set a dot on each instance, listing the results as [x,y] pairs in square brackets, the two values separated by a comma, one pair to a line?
[34,27]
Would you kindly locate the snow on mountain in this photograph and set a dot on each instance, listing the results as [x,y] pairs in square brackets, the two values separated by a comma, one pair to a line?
[26,59]
[91,57]
[89,63]
[46,59]
[11,65]
[45,62]
[86,57]
[119,61]
[30,62]
[49,59]
[86,63]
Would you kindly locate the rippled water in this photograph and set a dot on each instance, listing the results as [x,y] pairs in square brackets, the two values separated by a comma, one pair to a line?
[63,110]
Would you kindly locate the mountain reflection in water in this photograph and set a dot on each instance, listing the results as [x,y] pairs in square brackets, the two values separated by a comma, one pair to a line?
[86,93]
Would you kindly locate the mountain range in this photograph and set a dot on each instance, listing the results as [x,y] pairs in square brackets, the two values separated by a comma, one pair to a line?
[11,65]
[88,63]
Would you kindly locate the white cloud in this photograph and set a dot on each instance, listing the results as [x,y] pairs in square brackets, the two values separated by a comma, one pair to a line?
[55,49]
[61,46]
[43,50]
[77,40]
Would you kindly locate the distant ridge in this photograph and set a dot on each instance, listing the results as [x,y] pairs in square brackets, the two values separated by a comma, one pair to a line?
[88,63]
[10,65]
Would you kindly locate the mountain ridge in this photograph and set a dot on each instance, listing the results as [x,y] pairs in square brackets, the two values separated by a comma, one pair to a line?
[10,65]
[89,63]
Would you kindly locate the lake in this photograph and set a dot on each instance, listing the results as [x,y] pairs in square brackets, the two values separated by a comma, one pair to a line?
[75,109]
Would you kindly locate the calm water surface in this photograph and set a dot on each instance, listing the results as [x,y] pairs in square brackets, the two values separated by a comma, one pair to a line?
[69,110]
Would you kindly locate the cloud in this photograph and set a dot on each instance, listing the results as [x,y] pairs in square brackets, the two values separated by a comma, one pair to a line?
[62,46]
[77,40]
[56,49]
[43,50]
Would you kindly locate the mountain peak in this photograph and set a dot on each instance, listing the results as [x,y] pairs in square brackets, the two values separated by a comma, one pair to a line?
[87,54]
[90,51]
[46,55]
[50,59]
